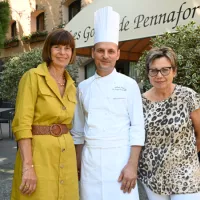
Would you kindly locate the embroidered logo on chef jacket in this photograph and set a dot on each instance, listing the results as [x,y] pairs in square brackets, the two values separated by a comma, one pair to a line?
[118,99]
[119,88]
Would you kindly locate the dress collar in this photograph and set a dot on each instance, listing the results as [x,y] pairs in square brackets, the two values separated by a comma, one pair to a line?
[42,70]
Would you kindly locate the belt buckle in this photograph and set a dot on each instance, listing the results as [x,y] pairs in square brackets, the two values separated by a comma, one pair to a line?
[55,134]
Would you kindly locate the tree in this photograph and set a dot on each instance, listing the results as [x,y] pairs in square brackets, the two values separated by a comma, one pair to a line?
[4,21]
[16,66]
[186,44]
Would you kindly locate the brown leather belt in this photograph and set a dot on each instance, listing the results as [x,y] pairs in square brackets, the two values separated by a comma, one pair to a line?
[55,129]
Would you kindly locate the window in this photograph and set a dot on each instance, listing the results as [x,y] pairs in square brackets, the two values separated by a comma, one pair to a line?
[74,8]
[122,67]
[13,29]
[40,22]
[90,69]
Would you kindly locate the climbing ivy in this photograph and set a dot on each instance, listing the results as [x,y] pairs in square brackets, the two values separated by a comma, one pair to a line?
[4,21]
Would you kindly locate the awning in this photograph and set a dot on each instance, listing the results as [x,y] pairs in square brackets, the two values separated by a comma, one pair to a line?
[140,20]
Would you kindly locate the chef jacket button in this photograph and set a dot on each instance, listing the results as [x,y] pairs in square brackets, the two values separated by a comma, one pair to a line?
[61,166]
[61,182]
[63,149]
[64,108]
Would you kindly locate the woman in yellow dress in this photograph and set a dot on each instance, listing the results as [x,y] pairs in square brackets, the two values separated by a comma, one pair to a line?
[45,166]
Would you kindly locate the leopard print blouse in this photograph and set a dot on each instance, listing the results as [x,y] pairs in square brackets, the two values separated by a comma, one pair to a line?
[169,161]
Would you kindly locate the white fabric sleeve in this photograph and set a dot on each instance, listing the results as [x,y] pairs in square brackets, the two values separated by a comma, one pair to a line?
[79,121]
[135,110]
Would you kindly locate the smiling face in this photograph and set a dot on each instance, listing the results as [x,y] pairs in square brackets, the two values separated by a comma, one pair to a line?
[59,47]
[105,55]
[161,81]
[61,55]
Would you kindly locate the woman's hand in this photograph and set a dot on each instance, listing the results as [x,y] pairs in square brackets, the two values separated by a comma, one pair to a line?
[29,180]
[198,144]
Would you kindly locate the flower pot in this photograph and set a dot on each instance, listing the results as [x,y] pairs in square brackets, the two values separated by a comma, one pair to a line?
[37,38]
[11,44]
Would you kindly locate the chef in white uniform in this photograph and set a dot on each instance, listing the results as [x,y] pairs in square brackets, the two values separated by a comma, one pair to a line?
[108,126]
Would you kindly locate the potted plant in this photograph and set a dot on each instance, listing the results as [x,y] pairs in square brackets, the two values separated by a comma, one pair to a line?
[11,42]
[38,36]
[62,25]
[25,39]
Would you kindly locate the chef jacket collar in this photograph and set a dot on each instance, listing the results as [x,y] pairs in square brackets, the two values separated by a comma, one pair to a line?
[108,77]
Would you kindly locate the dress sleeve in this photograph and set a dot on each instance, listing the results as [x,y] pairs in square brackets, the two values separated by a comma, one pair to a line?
[79,121]
[194,100]
[135,110]
[25,105]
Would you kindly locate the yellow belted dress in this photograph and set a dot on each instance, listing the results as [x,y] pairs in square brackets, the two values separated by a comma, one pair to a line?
[39,103]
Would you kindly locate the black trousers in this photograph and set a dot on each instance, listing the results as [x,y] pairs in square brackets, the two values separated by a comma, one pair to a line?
[199,156]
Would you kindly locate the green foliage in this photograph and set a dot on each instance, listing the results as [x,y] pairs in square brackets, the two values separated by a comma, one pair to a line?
[39,33]
[27,38]
[73,71]
[4,21]
[62,25]
[16,66]
[10,40]
[186,44]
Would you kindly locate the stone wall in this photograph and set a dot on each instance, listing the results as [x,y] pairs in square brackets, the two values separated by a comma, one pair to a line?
[24,13]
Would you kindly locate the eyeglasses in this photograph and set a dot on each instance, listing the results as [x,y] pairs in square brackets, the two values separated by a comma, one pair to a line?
[164,71]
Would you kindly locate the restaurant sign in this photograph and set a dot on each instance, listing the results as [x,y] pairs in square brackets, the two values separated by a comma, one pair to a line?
[138,19]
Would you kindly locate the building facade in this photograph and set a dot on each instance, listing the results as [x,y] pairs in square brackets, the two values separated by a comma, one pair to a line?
[31,21]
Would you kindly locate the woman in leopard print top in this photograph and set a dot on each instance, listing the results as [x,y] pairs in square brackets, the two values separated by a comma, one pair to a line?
[169,166]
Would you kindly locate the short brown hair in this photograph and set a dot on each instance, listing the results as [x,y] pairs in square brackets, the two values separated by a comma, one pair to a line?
[58,37]
[156,53]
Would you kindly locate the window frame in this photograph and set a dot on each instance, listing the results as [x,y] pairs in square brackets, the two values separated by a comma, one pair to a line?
[40,22]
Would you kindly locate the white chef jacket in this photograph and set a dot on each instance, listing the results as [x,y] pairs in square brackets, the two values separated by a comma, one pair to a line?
[109,120]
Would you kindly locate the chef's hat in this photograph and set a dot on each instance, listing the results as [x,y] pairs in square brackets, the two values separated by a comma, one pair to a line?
[106,25]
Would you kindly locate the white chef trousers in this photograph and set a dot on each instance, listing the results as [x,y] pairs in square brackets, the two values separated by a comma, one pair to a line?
[153,196]
[100,170]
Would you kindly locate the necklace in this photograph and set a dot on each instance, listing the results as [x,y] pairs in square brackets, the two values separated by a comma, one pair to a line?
[59,82]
